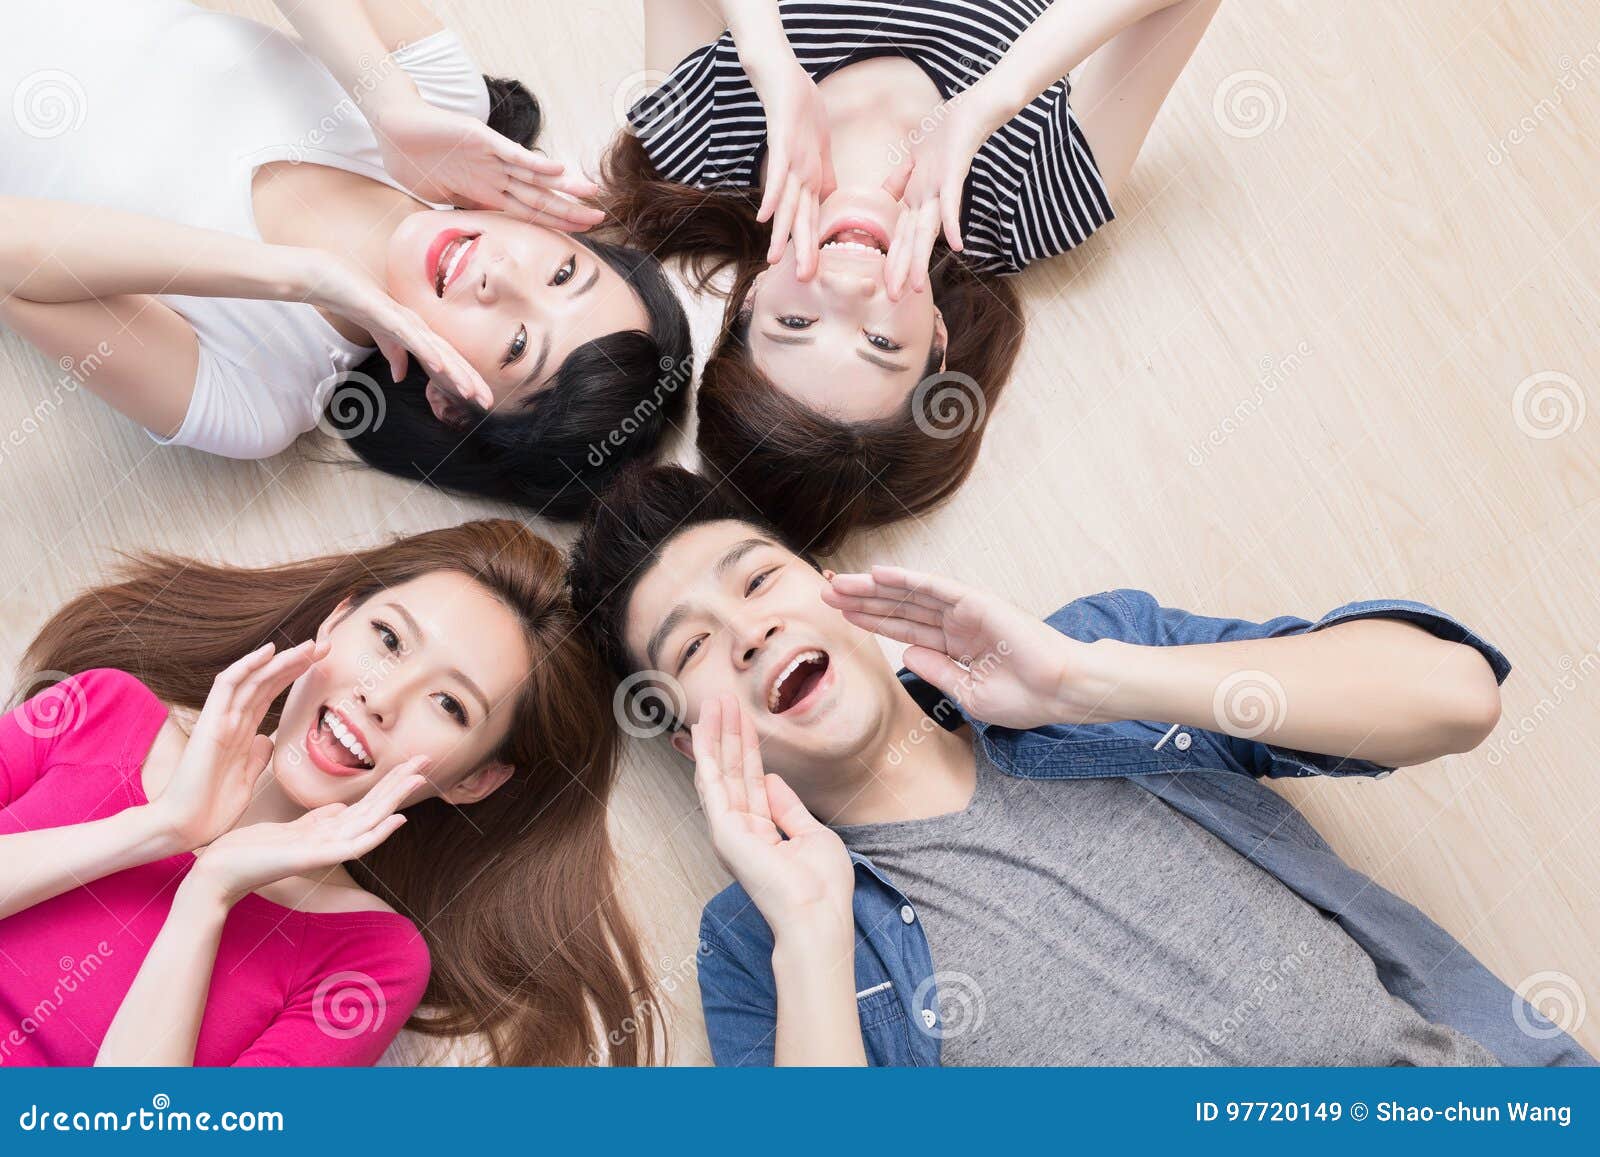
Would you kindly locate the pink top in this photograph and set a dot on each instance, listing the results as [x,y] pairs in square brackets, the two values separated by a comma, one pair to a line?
[289,987]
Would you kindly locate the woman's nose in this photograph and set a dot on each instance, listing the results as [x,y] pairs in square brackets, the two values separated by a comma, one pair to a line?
[849,283]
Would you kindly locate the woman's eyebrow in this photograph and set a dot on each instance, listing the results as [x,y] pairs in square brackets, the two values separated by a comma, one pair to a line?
[881,363]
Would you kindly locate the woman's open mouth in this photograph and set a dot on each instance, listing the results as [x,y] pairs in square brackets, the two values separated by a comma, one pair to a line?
[448,257]
[335,746]
[797,681]
[857,234]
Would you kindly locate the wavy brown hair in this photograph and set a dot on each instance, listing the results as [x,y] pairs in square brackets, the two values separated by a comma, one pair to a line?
[816,477]
[515,895]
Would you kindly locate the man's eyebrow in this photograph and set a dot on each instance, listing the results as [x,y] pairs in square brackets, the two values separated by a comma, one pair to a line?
[652,649]
[416,629]
[737,551]
[881,363]
[789,339]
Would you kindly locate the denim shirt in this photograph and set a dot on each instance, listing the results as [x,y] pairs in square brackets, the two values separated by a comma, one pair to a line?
[1212,778]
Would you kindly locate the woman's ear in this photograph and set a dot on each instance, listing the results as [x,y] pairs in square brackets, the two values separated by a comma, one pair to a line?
[447,407]
[683,743]
[479,785]
[941,338]
[335,616]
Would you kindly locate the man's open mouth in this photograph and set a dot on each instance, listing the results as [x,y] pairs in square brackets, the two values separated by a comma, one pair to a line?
[795,681]
[338,744]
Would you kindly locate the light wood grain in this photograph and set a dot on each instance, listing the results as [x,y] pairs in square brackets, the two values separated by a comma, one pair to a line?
[1383,258]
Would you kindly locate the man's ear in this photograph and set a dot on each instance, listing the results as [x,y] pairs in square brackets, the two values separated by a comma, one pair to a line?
[447,407]
[479,785]
[683,743]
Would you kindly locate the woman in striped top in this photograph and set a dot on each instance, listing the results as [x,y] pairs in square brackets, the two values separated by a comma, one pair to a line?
[871,169]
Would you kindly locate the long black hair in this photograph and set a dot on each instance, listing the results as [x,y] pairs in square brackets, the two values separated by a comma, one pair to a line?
[613,399]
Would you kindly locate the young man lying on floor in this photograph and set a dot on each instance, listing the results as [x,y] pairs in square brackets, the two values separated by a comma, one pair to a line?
[1046,843]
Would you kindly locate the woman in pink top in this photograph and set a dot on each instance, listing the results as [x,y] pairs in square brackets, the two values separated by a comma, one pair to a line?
[433,788]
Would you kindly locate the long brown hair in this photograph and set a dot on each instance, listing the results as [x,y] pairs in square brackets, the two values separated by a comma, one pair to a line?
[515,895]
[816,477]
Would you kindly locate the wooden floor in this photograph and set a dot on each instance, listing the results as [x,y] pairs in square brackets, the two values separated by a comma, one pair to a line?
[1340,344]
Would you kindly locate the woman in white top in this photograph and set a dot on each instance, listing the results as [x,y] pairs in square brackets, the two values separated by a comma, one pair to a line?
[206,204]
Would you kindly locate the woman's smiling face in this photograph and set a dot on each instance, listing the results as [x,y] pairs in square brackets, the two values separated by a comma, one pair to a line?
[836,342]
[514,298]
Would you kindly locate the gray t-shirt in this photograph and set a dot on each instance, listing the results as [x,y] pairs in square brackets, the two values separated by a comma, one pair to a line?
[1085,922]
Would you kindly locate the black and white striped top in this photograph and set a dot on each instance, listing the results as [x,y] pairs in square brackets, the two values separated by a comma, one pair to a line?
[1034,190]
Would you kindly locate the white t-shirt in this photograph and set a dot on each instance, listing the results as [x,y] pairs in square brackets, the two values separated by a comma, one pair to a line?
[162,108]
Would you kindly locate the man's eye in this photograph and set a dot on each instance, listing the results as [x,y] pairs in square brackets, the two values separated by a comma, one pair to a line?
[518,346]
[564,274]
[794,321]
[757,579]
[878,341]
[688,653]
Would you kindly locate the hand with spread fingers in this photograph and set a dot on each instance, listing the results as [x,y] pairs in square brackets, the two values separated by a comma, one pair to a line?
[795,882]
[452,158]
[939,162]
[1000,663]
[799,166]
[253,856]
[215,778]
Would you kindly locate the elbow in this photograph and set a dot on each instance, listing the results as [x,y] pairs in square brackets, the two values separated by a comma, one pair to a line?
[1470,700]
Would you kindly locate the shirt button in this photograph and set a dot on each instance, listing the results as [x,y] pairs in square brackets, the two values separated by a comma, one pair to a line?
[928,1018]
[907,915]
[1182,741]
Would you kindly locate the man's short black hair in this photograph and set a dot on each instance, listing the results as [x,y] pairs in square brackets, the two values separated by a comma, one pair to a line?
[624,535]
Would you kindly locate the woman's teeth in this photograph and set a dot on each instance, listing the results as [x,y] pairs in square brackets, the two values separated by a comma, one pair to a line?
[345,737]
[452,257]
[851,245]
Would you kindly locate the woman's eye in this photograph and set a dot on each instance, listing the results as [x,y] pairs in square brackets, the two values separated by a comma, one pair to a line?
[688,653]
[564,274]
[878,341]
[390,640]
[794,321]
[758,579]
[518,346]
[453,708]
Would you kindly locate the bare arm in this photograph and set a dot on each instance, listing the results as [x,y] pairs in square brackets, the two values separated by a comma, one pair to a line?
[34,866]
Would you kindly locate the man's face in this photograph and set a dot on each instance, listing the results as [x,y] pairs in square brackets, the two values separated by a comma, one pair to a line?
[725,609]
